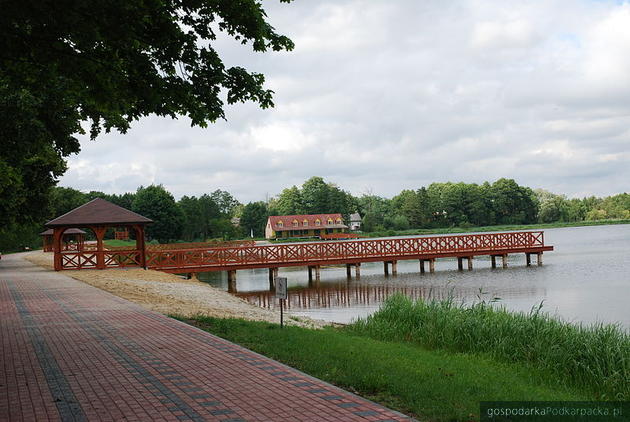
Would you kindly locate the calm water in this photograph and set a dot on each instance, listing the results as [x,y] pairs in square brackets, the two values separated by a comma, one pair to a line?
[585,279]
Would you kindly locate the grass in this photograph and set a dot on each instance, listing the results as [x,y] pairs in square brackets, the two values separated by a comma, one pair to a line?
[117,242]
[449,230]
[434,385]
[594,358]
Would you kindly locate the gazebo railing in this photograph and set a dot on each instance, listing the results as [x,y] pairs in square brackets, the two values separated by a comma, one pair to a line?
[77,260]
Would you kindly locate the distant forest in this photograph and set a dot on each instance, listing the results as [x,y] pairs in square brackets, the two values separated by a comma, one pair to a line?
[212,216]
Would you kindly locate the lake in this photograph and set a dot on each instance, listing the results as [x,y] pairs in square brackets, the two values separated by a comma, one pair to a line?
[585,279]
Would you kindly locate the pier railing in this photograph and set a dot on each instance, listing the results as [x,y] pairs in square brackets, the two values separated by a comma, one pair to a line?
[321,253]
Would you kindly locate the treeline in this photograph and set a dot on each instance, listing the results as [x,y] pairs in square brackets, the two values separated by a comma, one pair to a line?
[470,204]
[218,215]
[189,219]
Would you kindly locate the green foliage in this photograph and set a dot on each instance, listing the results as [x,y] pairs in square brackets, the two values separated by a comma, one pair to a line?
[225,202]
[595,358]
[110,63]
[63,200]
[18,237]
[315,197]
[430,385]
[290,202]
[36,130]
[254,218]
[617,206]
[158,204]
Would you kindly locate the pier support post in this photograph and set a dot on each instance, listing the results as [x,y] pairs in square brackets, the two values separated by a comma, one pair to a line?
[460,263]
[493,260]
[348,270]
[528,259]
[386,267]
[432,265]
[539,258]
[317,268]
[470,263]
[394,267]
[273,273]
[422,266]
[310,273]
[357,270]
[504,259]
[231,275]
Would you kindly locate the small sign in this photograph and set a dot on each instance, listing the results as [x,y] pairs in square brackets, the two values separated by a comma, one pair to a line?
[281,287]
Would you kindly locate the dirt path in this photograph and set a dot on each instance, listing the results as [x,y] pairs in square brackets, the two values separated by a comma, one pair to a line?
[170,294]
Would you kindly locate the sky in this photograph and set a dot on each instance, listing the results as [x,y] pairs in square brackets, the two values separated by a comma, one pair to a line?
[380,96]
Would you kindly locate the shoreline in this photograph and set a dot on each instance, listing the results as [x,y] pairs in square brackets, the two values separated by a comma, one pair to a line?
[170,294]
[498,228]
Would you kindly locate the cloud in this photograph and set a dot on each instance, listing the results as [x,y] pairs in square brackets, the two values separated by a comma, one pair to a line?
[387,96]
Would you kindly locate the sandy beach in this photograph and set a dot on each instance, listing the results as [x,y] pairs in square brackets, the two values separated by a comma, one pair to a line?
[170,294]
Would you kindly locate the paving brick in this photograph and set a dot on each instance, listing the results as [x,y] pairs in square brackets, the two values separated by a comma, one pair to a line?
[74,352]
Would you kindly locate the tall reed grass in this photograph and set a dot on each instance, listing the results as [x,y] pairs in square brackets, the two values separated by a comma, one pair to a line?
[595,357]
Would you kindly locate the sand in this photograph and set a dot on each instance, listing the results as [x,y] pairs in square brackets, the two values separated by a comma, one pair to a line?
[171,294]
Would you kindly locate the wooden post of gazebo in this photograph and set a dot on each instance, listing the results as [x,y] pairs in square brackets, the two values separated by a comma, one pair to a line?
[99,215]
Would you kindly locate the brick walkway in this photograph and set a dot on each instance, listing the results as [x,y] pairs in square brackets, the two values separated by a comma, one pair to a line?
[72,352]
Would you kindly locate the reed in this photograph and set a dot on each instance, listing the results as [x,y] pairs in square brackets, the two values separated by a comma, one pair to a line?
[595,357]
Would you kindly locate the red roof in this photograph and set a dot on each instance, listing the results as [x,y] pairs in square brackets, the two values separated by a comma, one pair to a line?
[288,220]
[98,212]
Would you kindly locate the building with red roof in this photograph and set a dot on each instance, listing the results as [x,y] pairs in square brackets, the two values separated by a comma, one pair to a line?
[315,225]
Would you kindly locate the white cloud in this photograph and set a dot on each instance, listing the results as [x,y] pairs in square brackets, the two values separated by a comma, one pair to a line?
[504,34]
[391,95]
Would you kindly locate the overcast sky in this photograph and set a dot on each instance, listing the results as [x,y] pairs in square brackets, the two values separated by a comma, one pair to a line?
[380,96]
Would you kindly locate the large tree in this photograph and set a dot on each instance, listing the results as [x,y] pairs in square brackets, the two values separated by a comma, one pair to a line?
[108,63]
[158,204]
[254,218]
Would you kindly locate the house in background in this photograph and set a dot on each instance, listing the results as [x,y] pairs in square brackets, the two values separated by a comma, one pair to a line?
[355,222]
[287,226]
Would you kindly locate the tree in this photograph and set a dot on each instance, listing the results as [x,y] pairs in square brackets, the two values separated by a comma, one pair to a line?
[209,213]
[63,200]
[192,218]
[158,204]
[110,63]
[225,201]
[315,196]
[125,200]
[290,202]
[552,207]
[254,218]
[319,197]
[513,204]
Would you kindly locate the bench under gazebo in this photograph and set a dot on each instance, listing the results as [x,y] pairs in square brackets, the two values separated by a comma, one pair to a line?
[99,215]
[72,240]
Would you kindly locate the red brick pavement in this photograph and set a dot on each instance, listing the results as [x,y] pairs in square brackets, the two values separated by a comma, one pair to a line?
[73,352]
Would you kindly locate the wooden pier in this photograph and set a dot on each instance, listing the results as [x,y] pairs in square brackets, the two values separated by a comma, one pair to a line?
[353,253]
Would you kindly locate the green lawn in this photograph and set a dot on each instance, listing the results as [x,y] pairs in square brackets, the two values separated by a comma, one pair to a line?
[431,385]
[115,242]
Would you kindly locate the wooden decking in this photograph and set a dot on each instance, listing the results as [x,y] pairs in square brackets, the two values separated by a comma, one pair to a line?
[315,254]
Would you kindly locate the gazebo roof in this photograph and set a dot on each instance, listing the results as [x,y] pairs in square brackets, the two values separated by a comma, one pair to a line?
[98,212]
[49,232]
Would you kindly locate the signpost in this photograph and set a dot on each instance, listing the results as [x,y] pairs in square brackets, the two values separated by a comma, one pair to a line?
[281,293]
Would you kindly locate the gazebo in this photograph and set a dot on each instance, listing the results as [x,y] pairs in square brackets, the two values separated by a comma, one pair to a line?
[72,239]
[99,215]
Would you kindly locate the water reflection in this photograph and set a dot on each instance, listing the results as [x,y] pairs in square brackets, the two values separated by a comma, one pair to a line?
[586,279]
[342,295]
